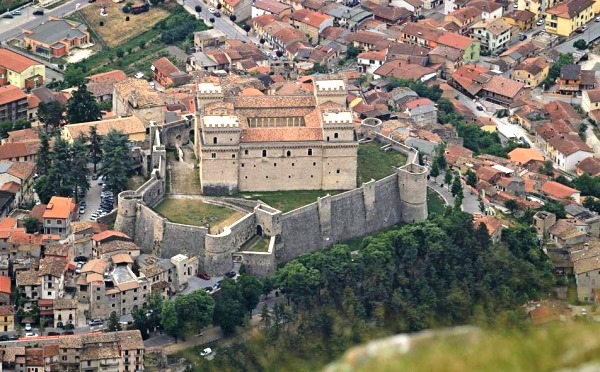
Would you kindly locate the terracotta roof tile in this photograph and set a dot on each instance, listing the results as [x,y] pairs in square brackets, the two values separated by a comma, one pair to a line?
[558,190]
[15,62]
[111,76]
[11,93]
[522,155]
[503,86]
[127,125]
[60,207]
[18,149]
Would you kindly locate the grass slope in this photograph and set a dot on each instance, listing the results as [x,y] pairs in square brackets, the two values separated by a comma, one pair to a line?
[376,164]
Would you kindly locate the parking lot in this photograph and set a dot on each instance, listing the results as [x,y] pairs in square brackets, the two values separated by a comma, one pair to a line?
[195,283]
[92,200]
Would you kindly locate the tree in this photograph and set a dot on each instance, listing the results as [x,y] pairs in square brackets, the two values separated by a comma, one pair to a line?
[247,28]
[119,53]
[298,282]
[233,18]
[195,310]
[471,178]
[95,147]
[51,114]
[456,185]
[580,44]
[32,225]
[481,206]
[113,324]
[198,8]
[352,52]
[79,169]
[435,171]
[251,289]
[548,168]
[512,205]
[448,177]
[229,310]
[43,161]
[59,178]
[116,161]
[82,107]
[169,319]
[74,76]
[279,53]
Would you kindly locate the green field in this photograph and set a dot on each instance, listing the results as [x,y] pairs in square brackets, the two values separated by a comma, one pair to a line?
[435,204]
[286,201]
[376,164]
[196,212]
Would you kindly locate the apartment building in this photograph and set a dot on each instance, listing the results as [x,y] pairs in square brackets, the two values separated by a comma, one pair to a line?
[13,103]
[20,71]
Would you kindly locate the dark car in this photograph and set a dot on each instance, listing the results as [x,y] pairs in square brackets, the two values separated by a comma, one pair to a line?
[217,14]
[4,338]
[68,333]
[80,259]
[479,108]
[203,276]
[208,289]
[7,15]
[68,327]
[522,37]
[231,274]
[217,285]
[53,334]
[38,12]
[15,337]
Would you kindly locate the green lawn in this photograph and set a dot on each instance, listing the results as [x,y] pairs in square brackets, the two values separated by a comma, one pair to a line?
[286,201]
[261,246]
[376,164]
[435,204]
[193,212]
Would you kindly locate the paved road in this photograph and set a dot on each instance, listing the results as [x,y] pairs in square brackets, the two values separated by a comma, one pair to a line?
[221,23]
[470,203]
[92,199]
[13,27]
[590,34]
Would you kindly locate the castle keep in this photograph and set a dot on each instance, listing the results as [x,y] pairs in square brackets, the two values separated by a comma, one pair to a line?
[272,143]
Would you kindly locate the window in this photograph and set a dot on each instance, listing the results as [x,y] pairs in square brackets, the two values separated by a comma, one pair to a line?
[233,156]
[288,153]
[242,165]
[245,152]
[274,164]
[113,305]
[335,135]
[309,152]
[264,153]
[59,222]
[327,138]
[214,140]
[337,171]
[314,163]
[49,293]
[292,164]
[213,155]
[48,222]
[97,298]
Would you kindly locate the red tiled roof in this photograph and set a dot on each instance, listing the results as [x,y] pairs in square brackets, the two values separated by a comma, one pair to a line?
[114,75]
[522,155]
[491,223]
[59,207]
[4,284]
[10,93]
[455,41]
[18,149]
[15,62]
[557,190]
[288,134]
[108,234]
[165,66]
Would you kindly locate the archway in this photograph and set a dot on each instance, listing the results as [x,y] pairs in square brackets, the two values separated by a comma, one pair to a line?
[259,230]
[192,138]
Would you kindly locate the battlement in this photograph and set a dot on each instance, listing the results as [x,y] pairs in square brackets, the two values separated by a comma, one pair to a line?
[338,117]
[209,88]
[220,121]
[324,86]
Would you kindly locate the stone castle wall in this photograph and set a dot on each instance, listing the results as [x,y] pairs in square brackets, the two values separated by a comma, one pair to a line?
[401,197]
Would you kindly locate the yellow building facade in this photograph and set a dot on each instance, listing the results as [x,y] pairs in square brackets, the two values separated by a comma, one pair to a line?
[564,18]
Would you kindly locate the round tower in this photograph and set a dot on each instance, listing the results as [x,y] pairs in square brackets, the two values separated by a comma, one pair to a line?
[412,182]
[126,212]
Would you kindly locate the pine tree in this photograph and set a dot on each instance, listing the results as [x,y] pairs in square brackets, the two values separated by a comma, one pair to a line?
[79,169]
[95,147]
[43,158]
[112,324]
[116,165]
[456,185]
[51,114]
[82,107]
[435,171]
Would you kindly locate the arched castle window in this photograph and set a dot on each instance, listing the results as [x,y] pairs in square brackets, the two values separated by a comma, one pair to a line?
[264,153]
[335,135]
[245,152]
[213,155]
[214,140]
[289,153]
[309,152]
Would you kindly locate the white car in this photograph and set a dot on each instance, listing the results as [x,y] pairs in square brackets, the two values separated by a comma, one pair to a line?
[212,10]
[28,327]
[540,22]
[139,75]
[206,351]
[584,27]
[598,19]
[31,334]
[515,5]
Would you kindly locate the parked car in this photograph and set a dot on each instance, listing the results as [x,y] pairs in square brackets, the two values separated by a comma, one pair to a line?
[68,333]
[217,14]
[78,267]
[81,210]
[203,276]
[208,289]
[4,338]
[38,12]
[540,22]
[53,334]
[231,274]
[28,327]
[94,176]
[30,334]
[212,10]
[584,27]
[16,12]
[522,37]
[68,327]
[7,15]
[273,57]
[217,285]
[206,351]
[479,108]
[80,259]
[598,19]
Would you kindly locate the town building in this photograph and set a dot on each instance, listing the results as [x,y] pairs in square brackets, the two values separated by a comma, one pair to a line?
[209,38]
[65,312]
[586,267]
[310,23]
[493,35]
[131,126]
[165,73]
[278,142]
[260,7]
[566,17]
[20,71]
[537,7]
[56,37]
[574,80]
[5,287]
[102,85]
[242,9]
[59,213]
[532,72]
[524,20]
[560,192]
[590,101]
[7,318]
[13,103]
[493,226]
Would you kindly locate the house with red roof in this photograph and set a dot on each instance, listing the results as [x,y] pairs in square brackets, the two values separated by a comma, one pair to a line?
[311,23]
[20,71]
[58,215]
[5,290]
[560,192]
[13,103]
[242,9]
[493,226]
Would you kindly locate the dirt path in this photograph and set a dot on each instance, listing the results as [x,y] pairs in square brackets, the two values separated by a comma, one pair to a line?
[184,176]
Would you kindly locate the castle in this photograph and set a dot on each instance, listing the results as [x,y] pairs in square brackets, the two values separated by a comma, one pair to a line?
[273,143]
[230,161]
